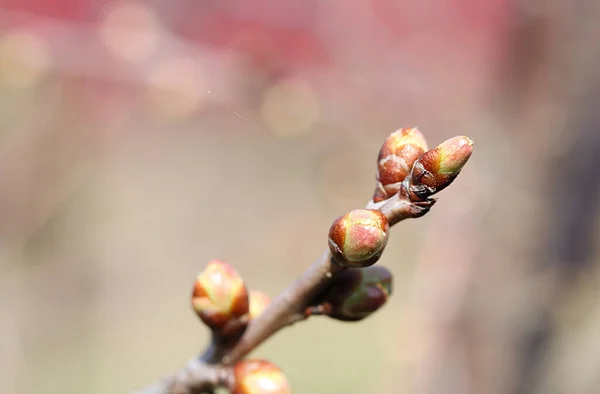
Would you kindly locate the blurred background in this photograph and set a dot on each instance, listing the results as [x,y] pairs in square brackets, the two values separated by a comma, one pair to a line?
[139,139]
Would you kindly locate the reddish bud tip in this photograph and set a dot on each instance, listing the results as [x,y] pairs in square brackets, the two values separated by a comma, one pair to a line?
[358,292]
[259,377]
[437,168]
[219,295]
[259,301]
[358,238]
[396,158]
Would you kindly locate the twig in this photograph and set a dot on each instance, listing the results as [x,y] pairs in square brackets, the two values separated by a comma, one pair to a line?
[201,375]
[430,173]
[196,377]
[292,301]
[299,295]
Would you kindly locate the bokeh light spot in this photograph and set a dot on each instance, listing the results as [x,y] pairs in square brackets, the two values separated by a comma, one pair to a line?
[341,175]
[24,59]
[176,87]
[290,108]
[130,31]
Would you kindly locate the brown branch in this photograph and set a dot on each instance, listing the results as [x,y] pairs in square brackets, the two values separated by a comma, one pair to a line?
[300,294]
[292,301]
[195,378]
[288,308]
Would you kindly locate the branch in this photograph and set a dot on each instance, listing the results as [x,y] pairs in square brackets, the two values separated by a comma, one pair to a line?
[430,172]
[196,377]
[300,294]
[200,375]
[289,303]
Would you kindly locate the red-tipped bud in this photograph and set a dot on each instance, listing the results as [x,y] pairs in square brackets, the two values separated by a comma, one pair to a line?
[396,158]
[358,238]
[220,295]
[437,168]
[258,377]
[259,301]
[358,292]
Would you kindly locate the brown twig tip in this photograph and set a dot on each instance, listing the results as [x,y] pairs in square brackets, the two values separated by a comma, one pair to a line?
[258,377]
[358,292]
[358,238]
[259,301]
[219,295]
[437,168]
[396,158]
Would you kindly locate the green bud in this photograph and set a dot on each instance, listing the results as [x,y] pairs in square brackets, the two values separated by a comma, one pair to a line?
[437,168]
[358,292]
[358,238]
[219,295]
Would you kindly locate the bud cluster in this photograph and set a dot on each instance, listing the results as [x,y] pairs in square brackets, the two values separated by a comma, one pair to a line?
[395,161]
[355,288]
[404,157]
[358,238]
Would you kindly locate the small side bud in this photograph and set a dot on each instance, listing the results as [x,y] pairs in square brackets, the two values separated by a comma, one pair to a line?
[358,292]
[437,168]
[396,158]
[219,295]
[258,377]
[358,238]
[259,301]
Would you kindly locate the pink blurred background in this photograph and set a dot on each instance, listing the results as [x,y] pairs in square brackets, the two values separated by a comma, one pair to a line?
[139,139]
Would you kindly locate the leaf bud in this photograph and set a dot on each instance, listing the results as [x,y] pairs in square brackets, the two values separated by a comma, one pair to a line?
[258,377]
[358,292]
[219,295]
[358,238]
[396,158]
[437,168]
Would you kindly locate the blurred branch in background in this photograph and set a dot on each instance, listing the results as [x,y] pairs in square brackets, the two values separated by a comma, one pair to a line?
[534,254]
[556,48]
